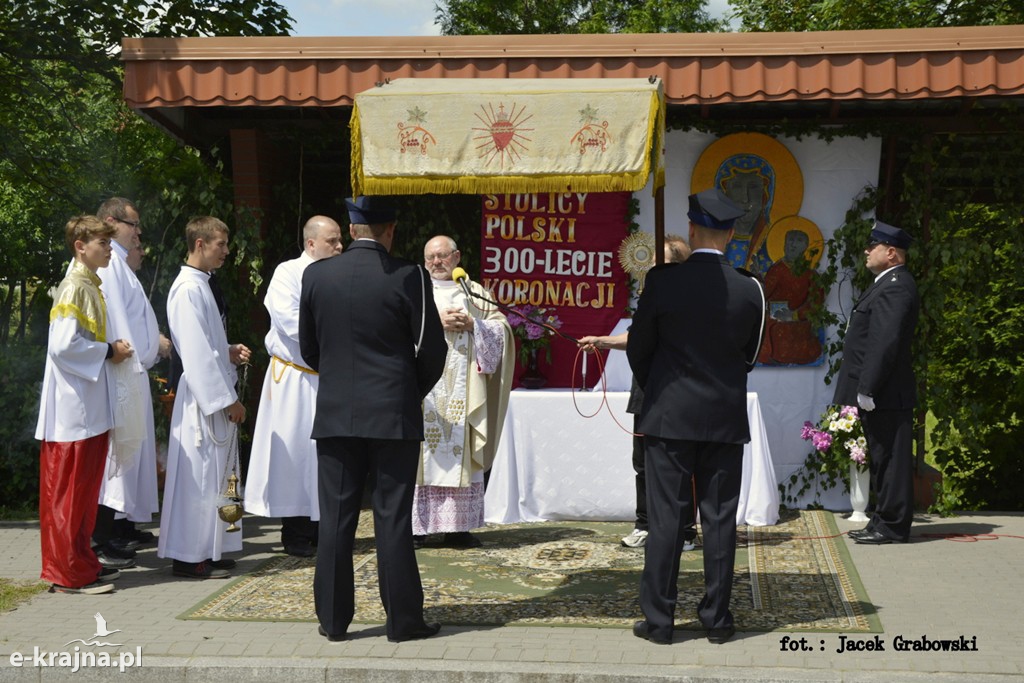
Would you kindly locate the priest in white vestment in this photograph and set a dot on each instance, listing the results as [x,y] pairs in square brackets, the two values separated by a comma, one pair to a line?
[202,449]
[130,491]
[282,478]
[464,412]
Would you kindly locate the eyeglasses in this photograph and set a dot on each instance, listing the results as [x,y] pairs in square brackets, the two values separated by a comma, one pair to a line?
[134,224]
[438,257]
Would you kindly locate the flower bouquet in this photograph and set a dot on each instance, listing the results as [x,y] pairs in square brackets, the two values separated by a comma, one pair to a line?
[839,442]
[533,328]
[528,327]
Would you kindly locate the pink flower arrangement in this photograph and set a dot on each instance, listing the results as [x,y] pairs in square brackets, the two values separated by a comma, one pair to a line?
[840,437]
[839,442]
[526,326]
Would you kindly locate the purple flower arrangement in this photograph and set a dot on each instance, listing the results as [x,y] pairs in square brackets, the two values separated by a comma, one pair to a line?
[527,324]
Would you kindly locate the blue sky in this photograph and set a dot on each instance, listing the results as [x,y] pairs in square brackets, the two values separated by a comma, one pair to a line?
[378,17]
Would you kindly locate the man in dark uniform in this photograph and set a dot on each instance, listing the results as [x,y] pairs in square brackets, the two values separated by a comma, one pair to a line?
[694,338]
[368,325]
[877,374]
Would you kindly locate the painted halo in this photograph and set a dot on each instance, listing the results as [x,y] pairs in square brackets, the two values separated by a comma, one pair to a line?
[776,239]
[786,196]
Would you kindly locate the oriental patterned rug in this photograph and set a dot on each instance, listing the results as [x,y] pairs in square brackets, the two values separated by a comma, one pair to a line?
[795,576]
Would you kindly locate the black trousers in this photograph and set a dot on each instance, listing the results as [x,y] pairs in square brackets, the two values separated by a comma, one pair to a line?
[344,466]
[689,516]
[641,477]
[718,470]
[106,527]
[890,436]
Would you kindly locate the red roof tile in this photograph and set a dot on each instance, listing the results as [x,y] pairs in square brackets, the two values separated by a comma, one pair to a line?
[898,64]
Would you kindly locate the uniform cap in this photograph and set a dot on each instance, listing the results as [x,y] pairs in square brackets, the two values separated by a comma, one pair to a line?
[370,210]
[893,236]
[712,209]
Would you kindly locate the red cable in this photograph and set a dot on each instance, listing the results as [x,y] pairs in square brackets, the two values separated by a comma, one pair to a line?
[604,392]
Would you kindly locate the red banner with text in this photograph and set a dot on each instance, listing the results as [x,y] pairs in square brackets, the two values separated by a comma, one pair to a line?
[555,256]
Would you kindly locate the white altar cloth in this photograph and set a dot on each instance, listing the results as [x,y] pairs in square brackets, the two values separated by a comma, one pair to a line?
[552,463]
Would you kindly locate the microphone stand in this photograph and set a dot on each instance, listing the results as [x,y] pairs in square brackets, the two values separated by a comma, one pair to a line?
[509,311]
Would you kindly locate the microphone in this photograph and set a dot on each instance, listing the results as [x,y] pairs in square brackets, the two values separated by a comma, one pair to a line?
[459,275]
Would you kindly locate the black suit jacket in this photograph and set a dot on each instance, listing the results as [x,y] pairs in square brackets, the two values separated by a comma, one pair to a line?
[360,315]
[876,349]
[696,331]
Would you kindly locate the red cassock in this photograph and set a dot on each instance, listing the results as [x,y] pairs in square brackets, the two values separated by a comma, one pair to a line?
[70,475]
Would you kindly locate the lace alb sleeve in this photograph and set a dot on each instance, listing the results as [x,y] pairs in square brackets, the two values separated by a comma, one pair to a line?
[489,344]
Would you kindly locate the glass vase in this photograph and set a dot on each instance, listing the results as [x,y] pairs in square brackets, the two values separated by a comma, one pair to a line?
[532,377]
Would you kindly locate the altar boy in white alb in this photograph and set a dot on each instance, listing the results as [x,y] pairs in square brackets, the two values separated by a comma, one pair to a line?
[206,413]
[282,466]
[76,415]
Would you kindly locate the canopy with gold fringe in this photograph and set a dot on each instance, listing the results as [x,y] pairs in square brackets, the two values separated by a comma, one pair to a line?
[476,136]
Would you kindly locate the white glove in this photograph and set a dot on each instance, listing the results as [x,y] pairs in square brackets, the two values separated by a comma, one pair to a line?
[865,402]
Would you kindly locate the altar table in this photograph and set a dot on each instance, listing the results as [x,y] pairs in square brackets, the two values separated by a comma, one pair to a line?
[552,463]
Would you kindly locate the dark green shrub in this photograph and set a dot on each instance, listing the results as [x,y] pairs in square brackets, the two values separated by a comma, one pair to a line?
[21,375]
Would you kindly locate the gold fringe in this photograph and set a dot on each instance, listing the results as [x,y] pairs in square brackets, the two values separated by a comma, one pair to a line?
[356,152]
[72,311]
[656,119]
[628,182]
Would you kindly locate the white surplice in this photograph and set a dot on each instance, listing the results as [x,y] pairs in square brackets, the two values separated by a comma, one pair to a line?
[201,435]
[75,401]
[282,465]
[132,490]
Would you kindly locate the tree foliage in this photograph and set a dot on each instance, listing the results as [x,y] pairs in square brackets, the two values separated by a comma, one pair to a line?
[848,15]
[959,194]
[967,196]
[491,17]
[68,141]
[87,34]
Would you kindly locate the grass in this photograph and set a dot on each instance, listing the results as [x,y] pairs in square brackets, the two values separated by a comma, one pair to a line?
[13,593]
[19,514]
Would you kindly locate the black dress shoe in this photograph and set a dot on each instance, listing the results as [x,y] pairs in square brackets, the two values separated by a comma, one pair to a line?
[223,563]
[425,632]
[198,570]
[300,549]
[111,562]
[141,535]
[461,539]
[124,544]
[328,636]
[873,538]
[721,635]
[642,629]
[857,533]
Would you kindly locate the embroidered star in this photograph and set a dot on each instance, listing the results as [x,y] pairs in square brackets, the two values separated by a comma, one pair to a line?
[588,114]
[416,115]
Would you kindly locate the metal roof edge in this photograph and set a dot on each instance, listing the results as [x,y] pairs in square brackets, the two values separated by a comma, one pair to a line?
[634,45]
